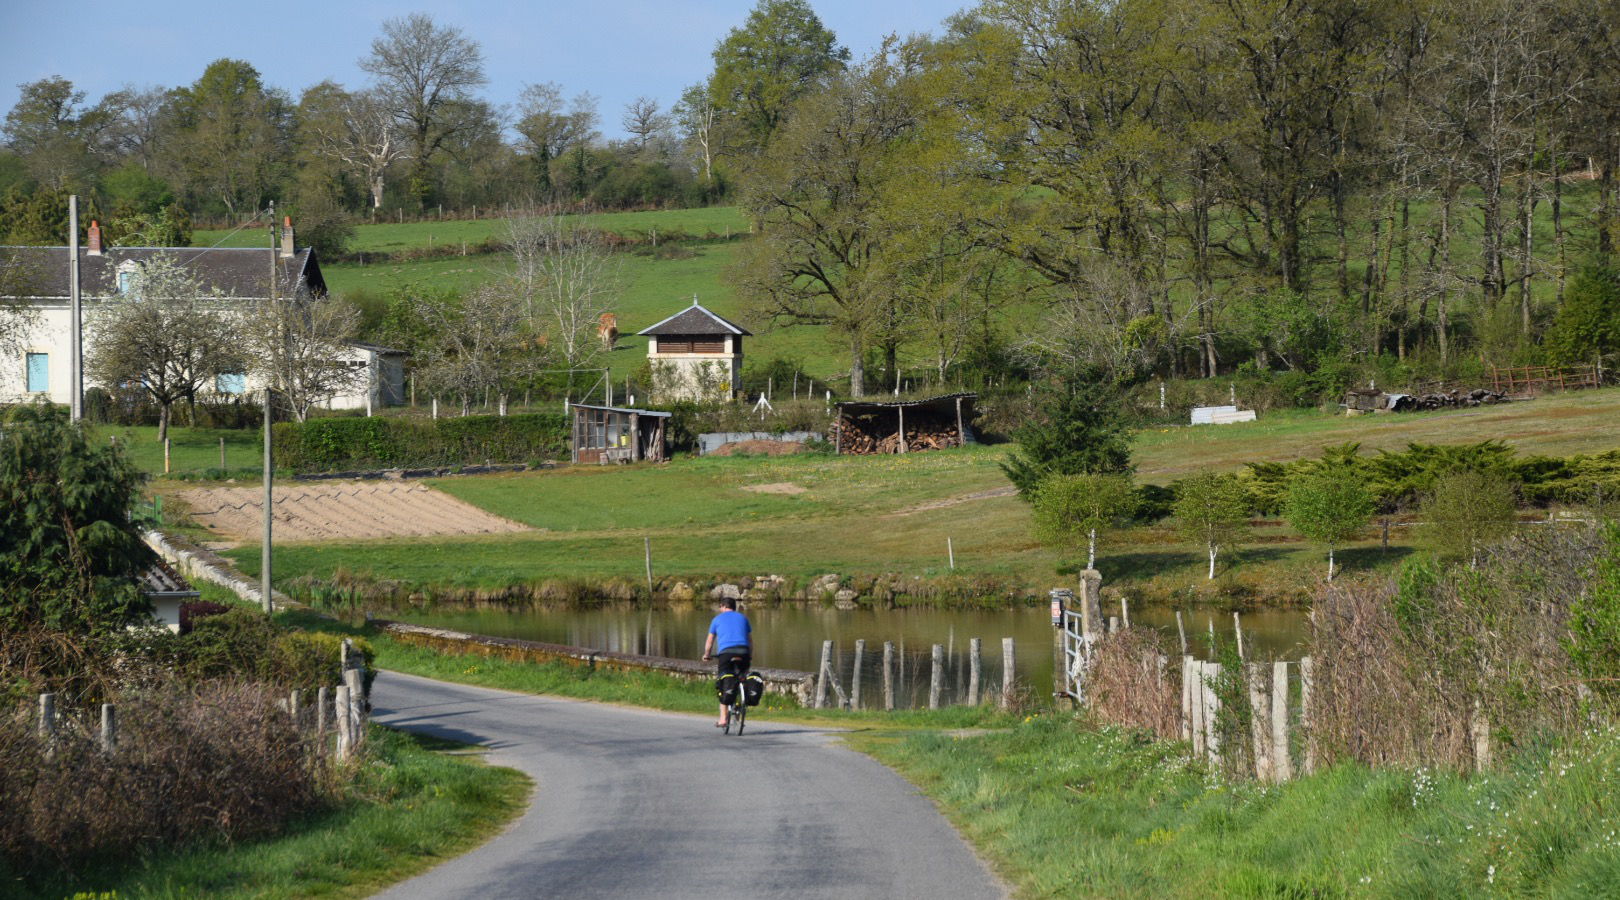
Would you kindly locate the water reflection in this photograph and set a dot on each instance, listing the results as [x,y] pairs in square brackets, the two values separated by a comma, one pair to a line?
[790,637]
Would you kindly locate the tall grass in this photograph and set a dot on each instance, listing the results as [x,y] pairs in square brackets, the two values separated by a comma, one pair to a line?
[1067,811]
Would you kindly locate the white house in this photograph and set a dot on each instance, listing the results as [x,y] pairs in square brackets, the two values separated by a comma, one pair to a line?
[695,355]
[241,275]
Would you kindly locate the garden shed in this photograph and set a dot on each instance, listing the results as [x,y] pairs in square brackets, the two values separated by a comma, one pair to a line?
[903,426]
[604,434]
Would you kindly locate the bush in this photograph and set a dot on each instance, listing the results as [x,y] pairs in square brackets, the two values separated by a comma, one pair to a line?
[223,762]
[191,613]
[328,444]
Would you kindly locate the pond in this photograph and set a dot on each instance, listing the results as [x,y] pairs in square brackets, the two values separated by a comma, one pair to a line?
[790,637]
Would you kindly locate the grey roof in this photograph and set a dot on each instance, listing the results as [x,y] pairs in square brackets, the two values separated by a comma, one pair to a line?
[161,578]
[695,319]
[657,414]
[376,348]
[234,271]
[941,402]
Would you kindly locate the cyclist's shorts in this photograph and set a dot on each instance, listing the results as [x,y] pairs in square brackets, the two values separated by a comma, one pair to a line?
[735,660]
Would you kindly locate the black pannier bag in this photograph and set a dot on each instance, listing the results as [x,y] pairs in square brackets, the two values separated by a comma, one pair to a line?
[753,688]
[726,687]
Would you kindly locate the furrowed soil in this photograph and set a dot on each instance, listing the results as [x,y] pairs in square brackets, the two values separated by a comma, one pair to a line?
[341,510]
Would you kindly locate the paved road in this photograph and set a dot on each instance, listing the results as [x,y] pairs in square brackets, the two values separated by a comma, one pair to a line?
[640,804]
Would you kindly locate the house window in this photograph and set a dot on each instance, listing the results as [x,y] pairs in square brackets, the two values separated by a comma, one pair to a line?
[39,372]
[231,383]
[123,282]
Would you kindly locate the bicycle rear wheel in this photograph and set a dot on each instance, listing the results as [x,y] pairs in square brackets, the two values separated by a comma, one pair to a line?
[741,715]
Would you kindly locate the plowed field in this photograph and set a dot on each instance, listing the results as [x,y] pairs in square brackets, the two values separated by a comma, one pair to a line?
[341,510]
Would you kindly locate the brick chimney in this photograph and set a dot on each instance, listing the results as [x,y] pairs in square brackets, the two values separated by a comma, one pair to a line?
[94,248]
[286,236]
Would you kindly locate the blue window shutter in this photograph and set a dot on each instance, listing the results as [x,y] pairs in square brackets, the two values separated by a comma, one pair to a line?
[39,372]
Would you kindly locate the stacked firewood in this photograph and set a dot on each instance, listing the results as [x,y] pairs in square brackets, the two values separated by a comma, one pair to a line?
[873,434]
[1456,399]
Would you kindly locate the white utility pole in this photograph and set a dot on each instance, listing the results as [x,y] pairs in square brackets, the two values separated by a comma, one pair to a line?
[76,339]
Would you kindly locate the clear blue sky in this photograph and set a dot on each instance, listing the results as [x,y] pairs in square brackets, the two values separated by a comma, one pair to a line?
[615,50]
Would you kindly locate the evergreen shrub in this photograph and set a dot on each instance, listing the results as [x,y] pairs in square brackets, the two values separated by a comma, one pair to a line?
[325,445]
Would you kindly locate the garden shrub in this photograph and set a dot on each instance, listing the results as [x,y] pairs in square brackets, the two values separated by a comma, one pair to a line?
[191,613]
[330,444]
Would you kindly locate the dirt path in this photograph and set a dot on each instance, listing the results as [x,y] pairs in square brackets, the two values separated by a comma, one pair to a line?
[341,510]
[1007,491]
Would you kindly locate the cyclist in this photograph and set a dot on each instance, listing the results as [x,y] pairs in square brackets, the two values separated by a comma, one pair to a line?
[729,632]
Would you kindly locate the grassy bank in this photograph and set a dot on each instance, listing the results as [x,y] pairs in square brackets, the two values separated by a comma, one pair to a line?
[416,802]
[1068,812]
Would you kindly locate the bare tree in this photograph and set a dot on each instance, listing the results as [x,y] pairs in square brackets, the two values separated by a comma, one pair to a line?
[644,120]
[423,71]
[171,335]
[695,116]
[565,278]
[300,345]
[362,133]
[137,124]
[480,345]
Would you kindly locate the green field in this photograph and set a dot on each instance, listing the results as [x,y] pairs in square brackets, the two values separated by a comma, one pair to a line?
[386,237]
[874,515]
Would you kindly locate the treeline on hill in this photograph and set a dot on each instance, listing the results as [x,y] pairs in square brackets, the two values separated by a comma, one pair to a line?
[1326,190]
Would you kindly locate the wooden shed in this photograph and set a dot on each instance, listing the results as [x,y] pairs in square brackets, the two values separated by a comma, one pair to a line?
[903,426]
[604,434]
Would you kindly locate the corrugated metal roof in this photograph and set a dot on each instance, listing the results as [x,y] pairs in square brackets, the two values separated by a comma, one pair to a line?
[657,414]
[876,405]
[161,578]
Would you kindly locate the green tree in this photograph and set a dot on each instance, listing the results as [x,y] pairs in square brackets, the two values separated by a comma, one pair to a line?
[52,130]
[231,136]
[1467,510]
[1077,430]
[425,74]
[820,193]
[1070,509]
[1588,323]
[69,555]
[1328,506]
[782,52]
[1211,509]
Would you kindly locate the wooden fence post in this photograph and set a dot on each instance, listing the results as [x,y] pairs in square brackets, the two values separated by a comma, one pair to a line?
[1195,687]
[341,709]
[1282,765]
[47,716]
[1307,679]
[323,702]
[109,728]
[222,453]
[1113,624]
[1186,694]
[937,676]
[855,675]
[1259,720]
[888,676]
[357,708]
[1124,613]
[1212,713]
[295,705]
[821,676]
[1007,673]
[1480,727]
[1181,630]
[974,671]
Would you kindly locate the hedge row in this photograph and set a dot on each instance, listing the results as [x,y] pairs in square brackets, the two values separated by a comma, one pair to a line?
[330,445]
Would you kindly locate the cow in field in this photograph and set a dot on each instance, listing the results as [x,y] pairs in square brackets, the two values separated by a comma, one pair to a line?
[607,328]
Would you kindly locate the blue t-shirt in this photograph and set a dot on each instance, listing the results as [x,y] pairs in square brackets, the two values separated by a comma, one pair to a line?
[730,629]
